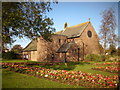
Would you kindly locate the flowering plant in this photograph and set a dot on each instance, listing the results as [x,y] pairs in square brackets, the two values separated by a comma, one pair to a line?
[74,77]
[107,63]
[112,69]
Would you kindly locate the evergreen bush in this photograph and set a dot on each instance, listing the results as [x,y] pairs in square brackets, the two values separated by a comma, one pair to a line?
[9,55]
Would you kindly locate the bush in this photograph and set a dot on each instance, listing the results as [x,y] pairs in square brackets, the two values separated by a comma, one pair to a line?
[112,58]
[103,57]
[93,57]
[9,55]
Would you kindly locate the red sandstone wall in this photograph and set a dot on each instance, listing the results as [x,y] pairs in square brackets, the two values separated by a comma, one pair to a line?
[91,45]
[45,49]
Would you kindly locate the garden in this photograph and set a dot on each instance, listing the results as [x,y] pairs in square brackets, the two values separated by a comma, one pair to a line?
[79,74]
[108,67]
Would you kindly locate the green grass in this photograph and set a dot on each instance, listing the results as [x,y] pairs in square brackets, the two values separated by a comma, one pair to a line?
[62,66]
[87,69]
[0,79]
[15,60]
[77,66]
[17,80]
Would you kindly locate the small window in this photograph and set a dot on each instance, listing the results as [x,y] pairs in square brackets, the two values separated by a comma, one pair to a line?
[89,34]
[78,49]
[59,40]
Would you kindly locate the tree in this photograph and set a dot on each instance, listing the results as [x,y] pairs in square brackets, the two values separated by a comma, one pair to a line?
[118,51]
[107,29]
[28,19]
[101,49]
[17,49]
[112,50]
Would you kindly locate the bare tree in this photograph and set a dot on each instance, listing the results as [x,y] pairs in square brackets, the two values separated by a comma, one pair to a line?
[107,28]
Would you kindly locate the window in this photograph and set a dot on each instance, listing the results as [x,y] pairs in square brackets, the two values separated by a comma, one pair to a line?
[59,41]
[89,33]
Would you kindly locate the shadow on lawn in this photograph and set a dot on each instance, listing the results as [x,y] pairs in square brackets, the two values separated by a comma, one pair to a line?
[62,66]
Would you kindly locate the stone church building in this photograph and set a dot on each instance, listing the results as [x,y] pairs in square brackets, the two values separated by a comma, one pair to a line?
[71,44]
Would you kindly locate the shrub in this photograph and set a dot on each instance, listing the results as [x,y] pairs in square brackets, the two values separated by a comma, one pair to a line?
[112,58]
[103,57]
[93,57]
[9,55]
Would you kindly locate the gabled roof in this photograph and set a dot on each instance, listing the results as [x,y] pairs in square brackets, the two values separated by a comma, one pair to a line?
[65,47]
[59,32]
[32,46]
[74,31]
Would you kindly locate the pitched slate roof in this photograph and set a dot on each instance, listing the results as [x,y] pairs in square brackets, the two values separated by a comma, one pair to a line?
[59,32]
[65,47]
[32,46]
[74,31]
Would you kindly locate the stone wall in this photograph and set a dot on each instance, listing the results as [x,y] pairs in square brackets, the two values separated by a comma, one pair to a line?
[33,55]
[45,48]
[91,44]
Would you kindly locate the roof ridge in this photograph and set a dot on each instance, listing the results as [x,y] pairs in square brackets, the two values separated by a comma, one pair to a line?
[79,24]
[58,32]
[32,41]
[72,26]
[28,44]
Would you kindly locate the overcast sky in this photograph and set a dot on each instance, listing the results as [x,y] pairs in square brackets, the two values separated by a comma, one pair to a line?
[75,13]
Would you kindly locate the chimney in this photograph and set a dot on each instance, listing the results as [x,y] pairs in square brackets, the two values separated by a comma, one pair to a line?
[65,25]
[89,19]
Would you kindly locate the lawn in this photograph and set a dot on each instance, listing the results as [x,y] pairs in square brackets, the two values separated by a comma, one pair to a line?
[15,60]
[26,81]
[17,80]
[87,68]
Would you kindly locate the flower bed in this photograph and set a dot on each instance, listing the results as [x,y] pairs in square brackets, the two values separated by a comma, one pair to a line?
[111,69]
[87,80]
[108,63]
